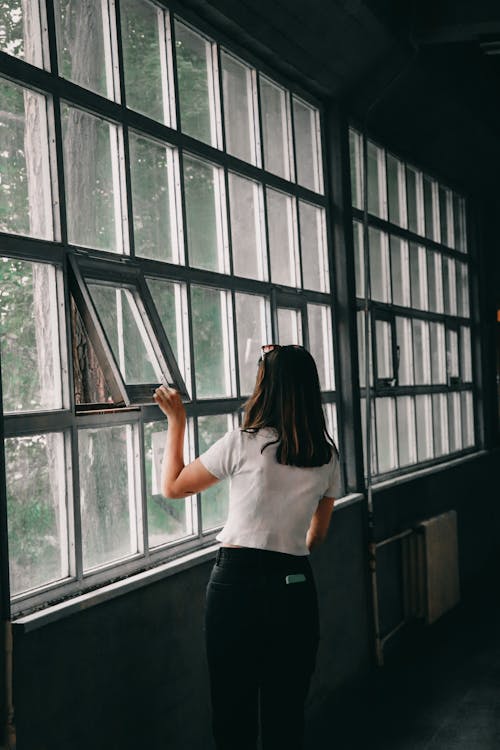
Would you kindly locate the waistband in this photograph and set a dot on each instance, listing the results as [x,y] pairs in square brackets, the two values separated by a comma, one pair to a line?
[247,556]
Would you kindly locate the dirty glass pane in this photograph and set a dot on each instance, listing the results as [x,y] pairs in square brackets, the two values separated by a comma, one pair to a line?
[380,279]
[321,343]
[239,113]
[25,181]
[423,407]
[170,301]
[252,332]
[108,495]
[289,326]
[247,230]
[214,500]
[196,84]
[282,232]
[440,423]
[275,128]
[313,247]
[407,443]
[92,180]
[386,434]
[36,510]
[400,272]
[377,200]
[153,199]
[212,329]
[205,205]
[29,336]
[307,145]
[404,351]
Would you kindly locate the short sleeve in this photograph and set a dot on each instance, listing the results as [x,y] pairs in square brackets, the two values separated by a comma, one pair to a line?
[222,458]
[334,486]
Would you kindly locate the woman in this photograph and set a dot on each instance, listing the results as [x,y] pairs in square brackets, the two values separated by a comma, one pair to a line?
[261,621]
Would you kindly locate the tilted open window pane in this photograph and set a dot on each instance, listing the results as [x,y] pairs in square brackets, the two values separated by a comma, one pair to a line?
[386,434]
[321,343]
[146,59]
[313,247]
[396,192]
[91,385]
[239,109]
[86,45]
[400,271]
[404,340]
[170,300]
[212,342]
[93,179]
[29,336]
[253,330]
[23,31]
[246,206]
[282,232]
[215,500]
[383,340]
[425,443]
[307,145]
[196,83]
[275,117]
[26,188]
[154,175]
[289,326]
[110,511]
[407,443]
[380,278]
[37,511]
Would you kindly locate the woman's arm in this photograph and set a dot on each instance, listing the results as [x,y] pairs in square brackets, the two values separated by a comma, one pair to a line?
[318,528]
[178,480]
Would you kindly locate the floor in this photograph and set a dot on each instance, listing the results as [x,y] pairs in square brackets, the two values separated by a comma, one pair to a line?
[443,695]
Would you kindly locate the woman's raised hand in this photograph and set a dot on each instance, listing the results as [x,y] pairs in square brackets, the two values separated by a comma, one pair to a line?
[169,401]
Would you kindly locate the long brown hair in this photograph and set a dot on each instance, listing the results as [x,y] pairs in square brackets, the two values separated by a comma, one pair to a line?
[287,396]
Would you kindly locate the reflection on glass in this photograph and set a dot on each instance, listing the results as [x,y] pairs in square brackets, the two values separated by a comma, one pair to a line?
[307,145]
[247,231]
[321,343]
[423,407]
[405,351]
[204,214]
[108,504]
[440,423]
[36,511]
[252,332]
[282,232]
[386,434]
[212,357]
[313,247]
[400,272]
[289,326]
[407,443]
[195,84]
[214,500]
[239,114]
[380,279]
[275,128]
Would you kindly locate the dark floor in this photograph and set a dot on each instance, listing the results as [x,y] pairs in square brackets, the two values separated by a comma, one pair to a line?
[443,694]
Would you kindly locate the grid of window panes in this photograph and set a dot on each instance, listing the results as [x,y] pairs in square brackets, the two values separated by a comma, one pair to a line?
[412,266]
[149,150]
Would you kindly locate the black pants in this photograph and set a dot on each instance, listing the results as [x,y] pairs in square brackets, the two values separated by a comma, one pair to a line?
[262,636]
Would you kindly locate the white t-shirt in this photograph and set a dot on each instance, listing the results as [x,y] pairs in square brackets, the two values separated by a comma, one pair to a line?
[270,504]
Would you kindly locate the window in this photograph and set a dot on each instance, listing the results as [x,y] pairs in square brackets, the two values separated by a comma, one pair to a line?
[180,197]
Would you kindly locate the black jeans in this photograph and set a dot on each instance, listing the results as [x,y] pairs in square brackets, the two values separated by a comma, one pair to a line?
[262,636]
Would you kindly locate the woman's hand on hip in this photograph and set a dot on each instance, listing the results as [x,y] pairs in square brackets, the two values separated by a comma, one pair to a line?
[169,401]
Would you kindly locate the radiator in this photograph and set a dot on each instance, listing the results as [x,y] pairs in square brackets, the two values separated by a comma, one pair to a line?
[431,583]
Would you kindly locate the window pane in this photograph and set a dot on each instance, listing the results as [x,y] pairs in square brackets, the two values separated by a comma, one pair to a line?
[211,318]
[275,128]
[126,334]
[196,84]
[462,290]
[380,279]
[313,247]
[396,190]
[362,349]
[383,338]
[239,113]
[449,286]
[89,381]
[29,336]
[454,421]
[355,150]
[168,520]
[434,281]
[92,177]
[400,272]
[421,352]
[153,199]
[465,355]
[359,258]
[406,431]
[289,326]
[247,230]
[377,202]
[84,45]
[459,223]
[467,419]
[205,204]
[452,354]
[36,510]
[321,343]
[373,443]
[282,232]
[386,434]
[307,145]
[170,301]
[25,184]
[215,500]
[108,494]
[405,351]
[444,216]
[418,277]
[423,407]
[440,423]
[330,411]
[145,59]
[21,30]
[430,208]
[438,352]
[414,200]
[252,331]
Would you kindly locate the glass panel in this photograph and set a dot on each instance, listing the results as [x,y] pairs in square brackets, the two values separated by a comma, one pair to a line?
[406,431]
[383,339]
[205,204]
[400,272]
[126,334]
[330,411]
[153,199]
[147,83]
[440,423]
[253,331]
[212,333]
[418,277]
[373,444]
[93,185]
[380,279]
[84,45]
[421,352]
[171,303]
[196,84]
[29,336]
[449,286]
[321,343]
[430,209]
[434,281]
[89,382]
[239,114]
[362,349]
[396,190]
[247,230]
[356,162]
[444,215]
[21,30]
[423,406]
[438,352]
[313,247]
[454,421]
[465,355]
[377,203]
[289,326]
[462,290]
[359,258]
[110,523]
[25,182]
[168,520]
[386,434]
[215,500]
[405,351]
[307,145]
[282,232]
[467,419]
[459,223]
[275,128]
[414,199]
[36,510]
[452,353]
